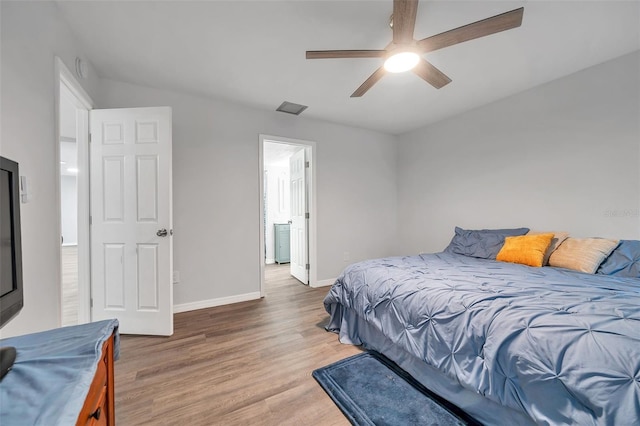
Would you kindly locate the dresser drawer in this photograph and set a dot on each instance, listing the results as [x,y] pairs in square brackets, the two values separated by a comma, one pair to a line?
[99,416]
[98,407]
[94,404]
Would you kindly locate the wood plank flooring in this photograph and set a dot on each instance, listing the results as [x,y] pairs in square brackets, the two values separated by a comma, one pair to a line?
[69,285]
[248,363]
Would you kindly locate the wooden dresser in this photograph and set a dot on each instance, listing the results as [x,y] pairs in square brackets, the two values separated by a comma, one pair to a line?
[62,377]
[99,407]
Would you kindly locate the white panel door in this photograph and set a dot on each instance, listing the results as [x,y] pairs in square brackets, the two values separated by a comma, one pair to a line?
[131,219]
[298,194]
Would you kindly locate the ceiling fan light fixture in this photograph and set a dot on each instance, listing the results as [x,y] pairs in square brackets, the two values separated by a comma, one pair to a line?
[401,62]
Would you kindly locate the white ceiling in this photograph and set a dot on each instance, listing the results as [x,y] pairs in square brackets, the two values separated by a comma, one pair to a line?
[253,52]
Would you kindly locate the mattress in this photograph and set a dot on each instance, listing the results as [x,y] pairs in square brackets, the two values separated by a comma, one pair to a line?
[556,346]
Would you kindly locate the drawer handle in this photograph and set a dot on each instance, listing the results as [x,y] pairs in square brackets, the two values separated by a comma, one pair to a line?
[96,414]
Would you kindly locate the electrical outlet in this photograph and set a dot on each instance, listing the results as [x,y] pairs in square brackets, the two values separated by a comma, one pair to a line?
[345,256]
[176,277]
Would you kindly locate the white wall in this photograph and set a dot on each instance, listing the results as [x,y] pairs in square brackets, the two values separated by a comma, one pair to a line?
[31,34]
[67,114]
[562,156]
[278,204]
[216,189]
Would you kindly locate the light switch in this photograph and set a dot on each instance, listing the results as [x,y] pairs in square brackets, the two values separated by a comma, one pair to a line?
[24,192]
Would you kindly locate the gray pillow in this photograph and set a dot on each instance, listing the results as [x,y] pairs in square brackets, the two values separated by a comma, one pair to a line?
[624,261]
[482,243]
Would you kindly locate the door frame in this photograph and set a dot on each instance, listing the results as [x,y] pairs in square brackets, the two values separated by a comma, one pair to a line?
[62,75]
[310,147]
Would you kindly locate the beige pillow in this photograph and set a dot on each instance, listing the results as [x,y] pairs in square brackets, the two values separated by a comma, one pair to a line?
[558,238]
[582,254]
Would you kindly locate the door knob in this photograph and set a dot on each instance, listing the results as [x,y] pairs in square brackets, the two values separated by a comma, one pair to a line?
[161,232]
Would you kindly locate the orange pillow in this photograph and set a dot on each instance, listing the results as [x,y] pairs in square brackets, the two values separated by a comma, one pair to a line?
[525,249]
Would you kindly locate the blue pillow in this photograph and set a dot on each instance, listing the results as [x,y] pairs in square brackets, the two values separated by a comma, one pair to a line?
[483,243]
[624,261]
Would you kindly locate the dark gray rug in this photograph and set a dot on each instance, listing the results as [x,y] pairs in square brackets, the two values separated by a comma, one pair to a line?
[372,390]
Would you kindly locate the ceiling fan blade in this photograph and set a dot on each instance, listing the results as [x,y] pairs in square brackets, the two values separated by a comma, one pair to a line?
[485,27]
[431,74]
[373,79]
[332,54]
[404,20]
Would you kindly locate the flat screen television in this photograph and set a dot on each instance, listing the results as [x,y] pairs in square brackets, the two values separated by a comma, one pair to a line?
[11,296]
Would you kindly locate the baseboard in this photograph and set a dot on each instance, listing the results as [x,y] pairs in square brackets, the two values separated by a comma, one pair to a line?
[269,261]
[202,304]
[323,283]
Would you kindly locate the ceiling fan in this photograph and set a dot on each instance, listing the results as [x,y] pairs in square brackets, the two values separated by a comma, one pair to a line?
[404,53]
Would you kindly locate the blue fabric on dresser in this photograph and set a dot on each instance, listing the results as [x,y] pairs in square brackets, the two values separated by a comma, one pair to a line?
[482,243]
[52,373]
[559,346]
[624,261]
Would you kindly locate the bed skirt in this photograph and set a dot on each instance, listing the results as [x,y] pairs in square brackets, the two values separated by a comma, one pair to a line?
[355,331]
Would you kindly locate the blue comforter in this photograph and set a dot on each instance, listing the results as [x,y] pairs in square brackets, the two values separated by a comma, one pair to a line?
[561,346]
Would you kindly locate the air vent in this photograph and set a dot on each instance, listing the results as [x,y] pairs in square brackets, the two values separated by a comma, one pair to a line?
[291,108]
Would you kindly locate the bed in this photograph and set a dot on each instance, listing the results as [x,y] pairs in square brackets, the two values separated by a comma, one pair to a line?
[508,343]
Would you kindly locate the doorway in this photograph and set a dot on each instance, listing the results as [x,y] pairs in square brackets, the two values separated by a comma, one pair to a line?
[287,208]
[72,110]
[128,279]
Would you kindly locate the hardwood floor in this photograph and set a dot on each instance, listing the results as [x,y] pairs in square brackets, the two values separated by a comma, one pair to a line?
[248,363]
[69,285]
